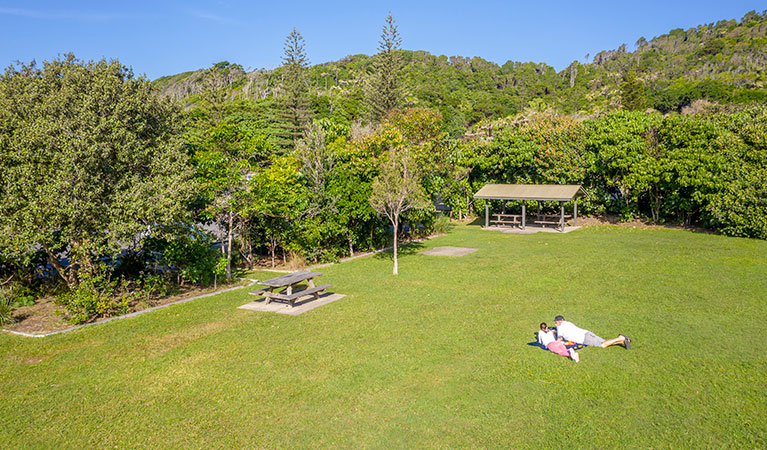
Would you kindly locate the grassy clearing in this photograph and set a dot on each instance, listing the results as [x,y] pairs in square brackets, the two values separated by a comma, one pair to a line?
[435,357]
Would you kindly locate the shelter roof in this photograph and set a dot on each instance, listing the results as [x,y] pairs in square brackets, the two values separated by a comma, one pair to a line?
[553,192]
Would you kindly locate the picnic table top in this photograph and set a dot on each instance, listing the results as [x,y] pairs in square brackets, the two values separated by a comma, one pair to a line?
[291,278]
[567,216]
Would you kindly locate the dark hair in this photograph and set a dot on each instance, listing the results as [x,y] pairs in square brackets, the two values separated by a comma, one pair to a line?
[558,318]
[543,325]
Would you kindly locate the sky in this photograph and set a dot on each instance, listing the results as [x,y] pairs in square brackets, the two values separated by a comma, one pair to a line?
[158,38]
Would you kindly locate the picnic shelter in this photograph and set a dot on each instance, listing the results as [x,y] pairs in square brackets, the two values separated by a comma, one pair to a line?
[561,193]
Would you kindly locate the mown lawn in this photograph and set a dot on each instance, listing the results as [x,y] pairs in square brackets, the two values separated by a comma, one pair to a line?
[436,357]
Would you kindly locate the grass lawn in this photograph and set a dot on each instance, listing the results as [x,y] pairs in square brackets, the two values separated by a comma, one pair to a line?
[435,357]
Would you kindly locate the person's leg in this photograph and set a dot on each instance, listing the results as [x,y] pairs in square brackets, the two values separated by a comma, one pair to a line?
[574,355]
[592,340]
[619,340]
[558,348]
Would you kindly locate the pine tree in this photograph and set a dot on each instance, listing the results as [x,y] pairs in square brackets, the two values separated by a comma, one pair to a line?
[383,90]
[633,96]
[294,101]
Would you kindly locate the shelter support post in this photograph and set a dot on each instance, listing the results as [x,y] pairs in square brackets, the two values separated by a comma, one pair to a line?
[562,215]
[523,215]
[575,213]
[487,213]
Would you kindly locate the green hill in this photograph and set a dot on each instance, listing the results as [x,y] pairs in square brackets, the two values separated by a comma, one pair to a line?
[723,62]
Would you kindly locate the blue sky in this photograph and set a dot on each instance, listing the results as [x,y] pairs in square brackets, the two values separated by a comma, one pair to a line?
[163,38]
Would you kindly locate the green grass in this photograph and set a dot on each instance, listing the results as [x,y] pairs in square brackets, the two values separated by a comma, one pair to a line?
[433,358]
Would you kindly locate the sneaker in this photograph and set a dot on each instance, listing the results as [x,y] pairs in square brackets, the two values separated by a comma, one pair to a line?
[626,342]
[576,357]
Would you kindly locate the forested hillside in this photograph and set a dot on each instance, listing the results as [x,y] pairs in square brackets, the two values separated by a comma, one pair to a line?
[723,62]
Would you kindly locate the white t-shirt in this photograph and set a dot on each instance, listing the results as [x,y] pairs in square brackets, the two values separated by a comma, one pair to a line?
[545,338]
[570,332]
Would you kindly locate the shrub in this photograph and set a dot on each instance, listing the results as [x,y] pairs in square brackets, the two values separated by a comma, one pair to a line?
[191,254]
[156,285]
[441,225]
[96,295]
[6,309]
[20,295]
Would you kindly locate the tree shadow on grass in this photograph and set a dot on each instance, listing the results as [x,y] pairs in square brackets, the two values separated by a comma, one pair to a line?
[477,222]
[239,273]
[410,248]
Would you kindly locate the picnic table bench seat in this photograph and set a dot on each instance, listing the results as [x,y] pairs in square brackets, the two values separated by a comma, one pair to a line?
[506,219]
[557,223]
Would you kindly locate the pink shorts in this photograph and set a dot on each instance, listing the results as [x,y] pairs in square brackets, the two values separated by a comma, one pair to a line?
[558,348]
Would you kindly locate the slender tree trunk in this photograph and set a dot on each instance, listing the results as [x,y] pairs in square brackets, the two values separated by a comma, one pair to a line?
[229,247]
[396,225]
[220,225]
[53,260]
[272,248]
[656,202]
[351,245]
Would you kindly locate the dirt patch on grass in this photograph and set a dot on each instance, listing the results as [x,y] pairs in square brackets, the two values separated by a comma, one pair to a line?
[449,251]
[45,316]
[26,360]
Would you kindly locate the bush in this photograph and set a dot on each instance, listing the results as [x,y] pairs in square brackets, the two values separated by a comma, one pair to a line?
[156,285]
[442,224]
[20,295]
[191,253]
[6,309]
[96,295]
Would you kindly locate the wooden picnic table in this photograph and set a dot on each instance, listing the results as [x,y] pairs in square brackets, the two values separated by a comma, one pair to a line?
[552,219]
[553,215]
[288,283]
[507,219]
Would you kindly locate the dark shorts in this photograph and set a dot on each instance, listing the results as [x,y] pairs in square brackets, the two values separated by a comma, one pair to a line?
[592,339]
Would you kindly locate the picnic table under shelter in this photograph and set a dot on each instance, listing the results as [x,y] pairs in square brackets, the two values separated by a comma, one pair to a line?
[561,193]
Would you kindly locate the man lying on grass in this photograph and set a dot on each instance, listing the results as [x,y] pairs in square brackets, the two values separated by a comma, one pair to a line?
[569,332]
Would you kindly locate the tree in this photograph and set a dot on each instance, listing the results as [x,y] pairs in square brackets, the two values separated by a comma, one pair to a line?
[633,96]
[294,100]
[383,91]
[277,198]
[630,160]
[226,158]
[396,190]
[89,159]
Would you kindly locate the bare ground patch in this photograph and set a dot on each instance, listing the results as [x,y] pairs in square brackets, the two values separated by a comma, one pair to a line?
[45,316]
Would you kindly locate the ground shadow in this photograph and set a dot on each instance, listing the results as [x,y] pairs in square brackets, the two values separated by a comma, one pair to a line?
[477,222]
[410,248]
[238,273]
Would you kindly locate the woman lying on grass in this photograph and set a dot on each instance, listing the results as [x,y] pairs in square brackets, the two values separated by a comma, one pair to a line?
[547,339]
